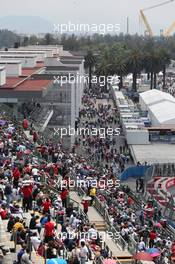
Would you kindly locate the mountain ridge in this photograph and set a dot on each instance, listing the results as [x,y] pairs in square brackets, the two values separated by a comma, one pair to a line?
[26,24]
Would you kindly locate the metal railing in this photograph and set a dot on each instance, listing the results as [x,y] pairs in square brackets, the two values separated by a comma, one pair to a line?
[169,231]
[102,210]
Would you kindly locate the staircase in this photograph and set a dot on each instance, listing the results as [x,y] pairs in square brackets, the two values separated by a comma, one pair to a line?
[100,225]
[125,259]
[5,241]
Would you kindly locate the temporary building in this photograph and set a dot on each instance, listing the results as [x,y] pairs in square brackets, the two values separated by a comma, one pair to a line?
[152,97]
[162,114]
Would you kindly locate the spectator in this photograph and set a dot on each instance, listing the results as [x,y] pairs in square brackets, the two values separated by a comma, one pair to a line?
[49,230]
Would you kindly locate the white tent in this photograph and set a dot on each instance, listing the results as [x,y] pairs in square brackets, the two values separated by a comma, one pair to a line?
[154,96]
[162,114]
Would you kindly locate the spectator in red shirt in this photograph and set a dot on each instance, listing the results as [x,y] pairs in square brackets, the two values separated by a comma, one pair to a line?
[25,124]
[49,230]
[64,196]
[173,252]
[27,169]
[173,248]
[46,206]
[56,170]
[27,197]
[85,204]
[130,201]
[3,213]
[16,176]
[152,237]
[35,137]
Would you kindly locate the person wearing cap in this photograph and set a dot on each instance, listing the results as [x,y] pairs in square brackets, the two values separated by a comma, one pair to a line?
[168,243]
[92,194]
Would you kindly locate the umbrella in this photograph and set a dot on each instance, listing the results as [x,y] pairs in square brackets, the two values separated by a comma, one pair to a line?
[154,255]
[146,262]
[158,225]
[153,251]
[56,261]
[143,256]
[109,261]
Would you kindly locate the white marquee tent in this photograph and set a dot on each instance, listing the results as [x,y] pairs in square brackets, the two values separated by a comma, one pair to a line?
[160,107]
[151,97]
[162,114]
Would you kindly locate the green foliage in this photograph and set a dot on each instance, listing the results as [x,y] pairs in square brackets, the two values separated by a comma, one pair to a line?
[7,39]
[109,54]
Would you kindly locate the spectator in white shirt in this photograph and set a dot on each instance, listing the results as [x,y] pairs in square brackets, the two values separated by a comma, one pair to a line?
[36,241]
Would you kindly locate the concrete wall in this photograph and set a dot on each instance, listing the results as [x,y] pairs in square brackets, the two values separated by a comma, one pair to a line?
[73,109]
[40,55]
[12,69]
[137,137]
[27,62]
[2,75]
[51,61]
[49,49]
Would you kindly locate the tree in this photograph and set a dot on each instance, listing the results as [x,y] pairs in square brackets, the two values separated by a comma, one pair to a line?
[7,38]
[49,39]
[165,60]
[33,40]
[135,65]
[149,65]
[119,54]
[25,41]
[89,64]
[156,60]
[104,65]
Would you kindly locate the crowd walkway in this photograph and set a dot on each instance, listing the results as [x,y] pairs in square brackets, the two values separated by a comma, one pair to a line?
[95,218]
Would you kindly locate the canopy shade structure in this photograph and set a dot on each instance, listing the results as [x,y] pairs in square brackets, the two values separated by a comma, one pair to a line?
[162,114]
[151,97]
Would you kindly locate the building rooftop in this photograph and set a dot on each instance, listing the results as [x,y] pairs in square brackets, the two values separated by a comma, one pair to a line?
[75,62]
[17,56]
[33,85]
[155,96]
[18,51]
[154,153]
[62,68]
[11,82]
[30,71]
[10,62]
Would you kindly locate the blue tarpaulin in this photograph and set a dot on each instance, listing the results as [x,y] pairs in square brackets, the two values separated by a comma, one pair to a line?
[134,172]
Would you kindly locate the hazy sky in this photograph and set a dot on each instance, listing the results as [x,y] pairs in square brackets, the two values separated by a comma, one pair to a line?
[93,11]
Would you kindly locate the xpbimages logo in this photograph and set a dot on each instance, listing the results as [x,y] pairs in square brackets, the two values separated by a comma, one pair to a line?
[77,78]
[102,184]
[87,236]
[101,132]
[86,28]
